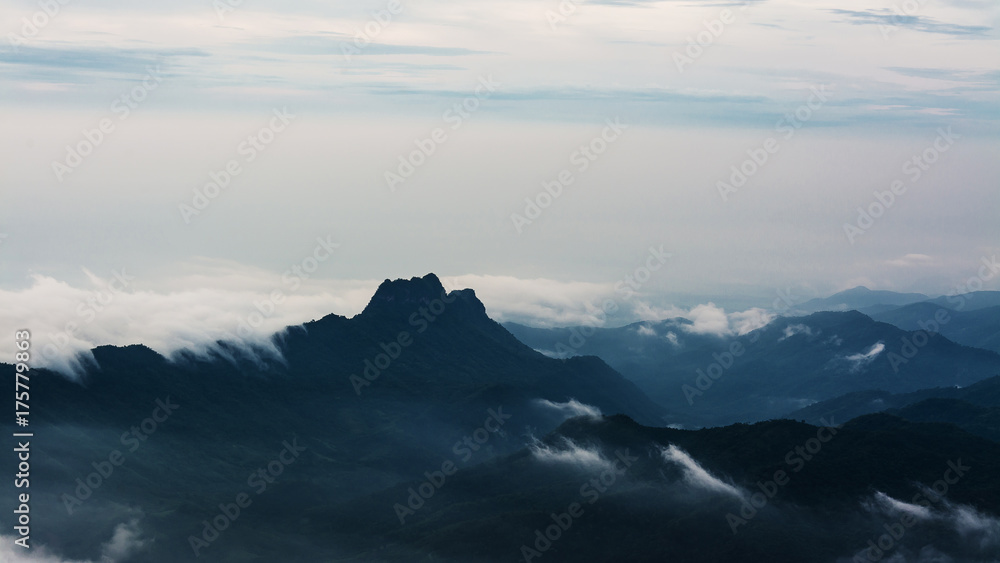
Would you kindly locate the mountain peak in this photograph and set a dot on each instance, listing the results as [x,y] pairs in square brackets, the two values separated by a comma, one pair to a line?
[414,292]
[402,296]
[855,290]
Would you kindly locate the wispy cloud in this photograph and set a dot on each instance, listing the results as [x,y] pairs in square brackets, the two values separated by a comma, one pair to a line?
[911,260]
[793,329]
[696,475]
[104,59]
[570,453]
[571,408]
[862,359]
[886,17]
[125,543]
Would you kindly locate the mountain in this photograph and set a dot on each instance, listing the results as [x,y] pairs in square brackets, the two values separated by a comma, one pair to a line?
[860,298]
[972,407]
[974,419]
[421,376]
[709,380]
[608,489]
[978,327]
[968,301]
[421,430]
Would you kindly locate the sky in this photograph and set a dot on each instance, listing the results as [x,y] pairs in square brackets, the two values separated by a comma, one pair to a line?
[186,160]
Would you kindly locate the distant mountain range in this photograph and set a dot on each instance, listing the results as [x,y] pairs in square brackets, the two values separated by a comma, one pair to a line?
[860,298]
[877,301]
[422,430]
[707,380]
[978,327]
[975,408]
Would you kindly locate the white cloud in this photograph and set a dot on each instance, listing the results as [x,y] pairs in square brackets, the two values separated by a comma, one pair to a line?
[10,553]
[205,301]
[893,506]
[646,330]
[571,454]
[713,320]
[792,330]
[645,312]
[572,408]
[977,528]
[750,320]
[862,359]
[978,531]
[125,542]
[911,260]
[708,319]
[695,474]
[66,321]
[541,302]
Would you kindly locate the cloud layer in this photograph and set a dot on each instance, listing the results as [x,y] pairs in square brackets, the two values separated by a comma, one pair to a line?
[211,301]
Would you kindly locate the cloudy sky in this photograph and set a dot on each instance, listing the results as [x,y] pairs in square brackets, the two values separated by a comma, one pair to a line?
[202,150]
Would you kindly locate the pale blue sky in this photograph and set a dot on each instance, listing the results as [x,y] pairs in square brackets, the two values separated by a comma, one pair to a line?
[891,77]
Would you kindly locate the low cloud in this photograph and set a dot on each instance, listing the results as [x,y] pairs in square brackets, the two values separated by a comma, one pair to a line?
[126,541]
[750,320]
[696,475]
[190,312]
[792,330]
[571,408]
[570,453]
[645,330]
[859,361]
[889,505]
[538,302]
[708,319]
[204,302]
[712,320]
[979,533]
